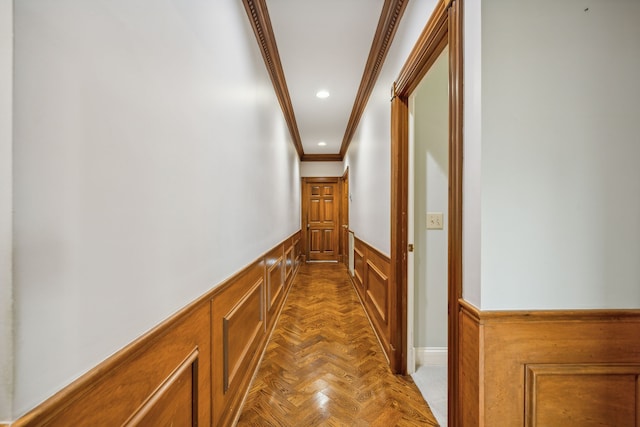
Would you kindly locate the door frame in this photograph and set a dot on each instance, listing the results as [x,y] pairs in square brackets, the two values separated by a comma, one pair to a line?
[305,211]
[344,217]
[443,28]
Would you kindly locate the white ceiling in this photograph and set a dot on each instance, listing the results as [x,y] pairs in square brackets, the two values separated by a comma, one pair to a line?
[323,44]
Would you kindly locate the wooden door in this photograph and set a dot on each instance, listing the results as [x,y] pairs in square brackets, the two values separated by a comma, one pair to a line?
[320,211]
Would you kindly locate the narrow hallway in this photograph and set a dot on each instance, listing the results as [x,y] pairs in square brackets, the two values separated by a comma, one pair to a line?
[324,366]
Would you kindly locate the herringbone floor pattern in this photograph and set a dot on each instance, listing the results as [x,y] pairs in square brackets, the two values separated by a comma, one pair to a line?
[324,367]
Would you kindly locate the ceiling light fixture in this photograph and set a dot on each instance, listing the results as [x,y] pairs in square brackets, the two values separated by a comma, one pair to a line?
[322,143]
[322,94]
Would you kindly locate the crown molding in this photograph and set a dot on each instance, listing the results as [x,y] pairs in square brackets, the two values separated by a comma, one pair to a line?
[261,24]
[387,25]
[321,158]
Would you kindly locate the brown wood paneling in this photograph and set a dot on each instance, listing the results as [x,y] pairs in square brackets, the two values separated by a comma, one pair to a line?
[193,369]
[175,402]
[147,377]
[289,262]
[276,285]
[242,326]
[469,368]
[582,395]
[378,293]
[239,294]
[321,158]
[574,366]
[371,281]
[358,253]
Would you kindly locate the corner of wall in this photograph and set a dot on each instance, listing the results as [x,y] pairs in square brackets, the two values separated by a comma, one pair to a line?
[6,210]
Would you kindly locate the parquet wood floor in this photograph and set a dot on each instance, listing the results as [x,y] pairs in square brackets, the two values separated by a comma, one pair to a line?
[324,367]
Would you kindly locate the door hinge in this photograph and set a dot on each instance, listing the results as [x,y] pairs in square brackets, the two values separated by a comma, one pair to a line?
[410,247]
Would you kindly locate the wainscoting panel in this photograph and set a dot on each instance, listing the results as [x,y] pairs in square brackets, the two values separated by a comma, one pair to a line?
[378,292]
[165,373]
[371,280]
[193,369]
[580,394]
[234,344]
[175,402]
[358,271]
[242,328]
[541,368]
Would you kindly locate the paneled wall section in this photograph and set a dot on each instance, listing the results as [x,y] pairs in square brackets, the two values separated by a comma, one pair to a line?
[371,280]
[541,368]
[193,369]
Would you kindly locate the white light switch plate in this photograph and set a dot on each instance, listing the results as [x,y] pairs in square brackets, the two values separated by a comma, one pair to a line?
[434,221]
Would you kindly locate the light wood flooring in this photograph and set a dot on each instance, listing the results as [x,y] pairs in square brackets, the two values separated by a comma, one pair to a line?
[324,367]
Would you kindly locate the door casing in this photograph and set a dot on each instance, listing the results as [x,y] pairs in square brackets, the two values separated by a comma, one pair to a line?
[443,28]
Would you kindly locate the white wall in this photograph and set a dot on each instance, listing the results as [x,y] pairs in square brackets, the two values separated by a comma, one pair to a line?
[472,150]
[6,288]
[431,194]
[560,151]
[151,163]
[321,169]
[369,153]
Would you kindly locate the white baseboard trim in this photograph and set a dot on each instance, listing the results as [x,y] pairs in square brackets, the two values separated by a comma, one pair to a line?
[430,356]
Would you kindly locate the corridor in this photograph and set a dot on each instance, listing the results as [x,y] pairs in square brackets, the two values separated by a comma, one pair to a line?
[324,366]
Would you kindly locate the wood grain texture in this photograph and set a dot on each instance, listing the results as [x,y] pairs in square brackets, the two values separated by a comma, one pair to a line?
[574,366]
[176,373]
[132,381]
[583,395]
[175,402]
[371,281]
[321,158]
[320,212]
[324,367]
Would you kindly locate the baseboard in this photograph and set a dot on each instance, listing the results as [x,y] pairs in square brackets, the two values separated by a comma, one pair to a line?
[192,369]
[430,356]
[564,367]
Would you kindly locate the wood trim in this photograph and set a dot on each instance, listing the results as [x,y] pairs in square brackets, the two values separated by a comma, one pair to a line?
[425,51]
[261,24]
[153,367]
[321,158]
[370,262]
[390,17]
[611,411]
[130,377]
[444,27]
[502,352]
[189,364]
[249,335]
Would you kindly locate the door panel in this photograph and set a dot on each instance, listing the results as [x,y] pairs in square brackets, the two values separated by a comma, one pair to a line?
[320,208]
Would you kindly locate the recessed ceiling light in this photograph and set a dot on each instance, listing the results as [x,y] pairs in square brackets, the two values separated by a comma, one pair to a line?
[322,94]
[322,143]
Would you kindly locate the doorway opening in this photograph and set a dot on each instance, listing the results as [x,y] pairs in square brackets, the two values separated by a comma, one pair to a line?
[428,212]
[444,29]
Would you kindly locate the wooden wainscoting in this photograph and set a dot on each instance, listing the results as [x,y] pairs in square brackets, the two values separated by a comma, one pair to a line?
[193,369]
[164,373]
[371,281]
[547,368]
